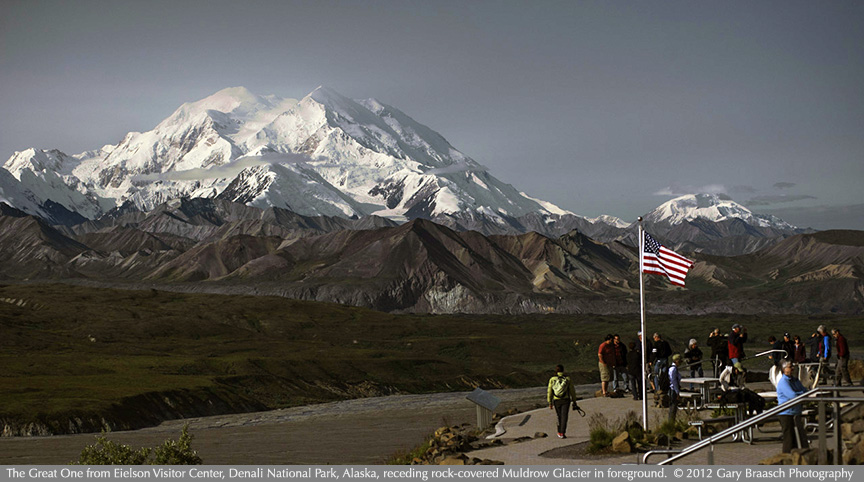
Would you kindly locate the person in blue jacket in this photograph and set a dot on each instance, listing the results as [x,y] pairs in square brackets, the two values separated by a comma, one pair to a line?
[789,387]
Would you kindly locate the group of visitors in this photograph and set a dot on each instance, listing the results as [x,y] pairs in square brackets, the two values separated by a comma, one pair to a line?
[621,369]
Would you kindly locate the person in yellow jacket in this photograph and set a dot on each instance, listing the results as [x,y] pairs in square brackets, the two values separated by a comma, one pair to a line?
[561,394]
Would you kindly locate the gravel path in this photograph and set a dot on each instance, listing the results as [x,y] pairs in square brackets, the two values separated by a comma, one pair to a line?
[361,431]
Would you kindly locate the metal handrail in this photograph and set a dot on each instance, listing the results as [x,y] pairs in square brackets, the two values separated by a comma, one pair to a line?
[766,415]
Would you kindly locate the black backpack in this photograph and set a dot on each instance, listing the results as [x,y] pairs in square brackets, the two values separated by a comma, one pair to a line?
[663,382]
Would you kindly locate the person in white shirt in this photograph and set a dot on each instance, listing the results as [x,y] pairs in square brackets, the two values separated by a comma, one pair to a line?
[674,385]
[733,377]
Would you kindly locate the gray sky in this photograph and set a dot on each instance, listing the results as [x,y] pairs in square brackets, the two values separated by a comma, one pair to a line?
[605,107]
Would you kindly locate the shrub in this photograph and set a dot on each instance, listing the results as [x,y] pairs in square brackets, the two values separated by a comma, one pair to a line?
[603,432]
[106,452]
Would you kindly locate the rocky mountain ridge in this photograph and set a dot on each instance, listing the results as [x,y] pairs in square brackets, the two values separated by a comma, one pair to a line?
[419,266]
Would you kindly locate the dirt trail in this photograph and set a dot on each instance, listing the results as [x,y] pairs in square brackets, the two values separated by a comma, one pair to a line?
[362,431]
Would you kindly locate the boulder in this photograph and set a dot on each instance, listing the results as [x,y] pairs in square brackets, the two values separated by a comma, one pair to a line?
[621,443]
[779,459]
[846,430]
[854,455]
[805,457]
[858,426]
[662,439]
[454,460]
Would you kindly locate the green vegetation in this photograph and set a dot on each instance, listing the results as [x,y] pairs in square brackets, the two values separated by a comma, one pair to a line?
[406,457]
[603,431]
[133,358]
[171,452]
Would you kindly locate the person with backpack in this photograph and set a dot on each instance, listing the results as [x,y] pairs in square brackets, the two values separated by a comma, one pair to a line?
[660,353]
[561,394]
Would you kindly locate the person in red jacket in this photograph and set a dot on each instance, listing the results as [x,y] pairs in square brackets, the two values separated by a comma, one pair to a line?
[736,343]
[842,369]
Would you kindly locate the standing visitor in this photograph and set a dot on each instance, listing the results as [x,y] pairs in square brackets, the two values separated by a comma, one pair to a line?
[842,369]
[619,371]
[788,346]
[606,359]
[635,370]
[737,338]
[824,344]
[789,387]
[660,353]
[674,386]
[799,350]
[560,394]
[813,344]
[719,350]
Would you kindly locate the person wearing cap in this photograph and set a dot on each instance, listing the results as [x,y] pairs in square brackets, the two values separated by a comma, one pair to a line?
[733,376]
[693,357]
[789,387]
[842,369]
[788,346]
[674,385]
[737,338]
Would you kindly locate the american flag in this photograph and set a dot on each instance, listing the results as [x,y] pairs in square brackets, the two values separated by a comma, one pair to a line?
[659,260]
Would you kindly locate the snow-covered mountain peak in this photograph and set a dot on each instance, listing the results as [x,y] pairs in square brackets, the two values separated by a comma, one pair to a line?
[610,220]
[711,207]
[325,154]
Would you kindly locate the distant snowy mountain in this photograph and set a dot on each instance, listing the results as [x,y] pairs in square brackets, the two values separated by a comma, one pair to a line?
[325,154]
[710,207]
[715,224]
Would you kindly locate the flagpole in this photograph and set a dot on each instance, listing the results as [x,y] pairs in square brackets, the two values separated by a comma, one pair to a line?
[642,329]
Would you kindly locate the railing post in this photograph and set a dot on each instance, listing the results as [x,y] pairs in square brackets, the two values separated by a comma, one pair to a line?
[823,442]
[711,454]
[838,440]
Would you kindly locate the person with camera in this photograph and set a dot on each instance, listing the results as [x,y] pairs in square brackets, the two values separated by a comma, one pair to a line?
[737,338]
[561,394]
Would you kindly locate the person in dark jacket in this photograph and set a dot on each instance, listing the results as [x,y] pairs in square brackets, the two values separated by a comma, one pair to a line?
[842,369]
[737,338]
[660,353]
[788,346]
[799,350]
[775,356]
[693,358]
[719,350]
[619,371]
[634,370]
[813,345]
